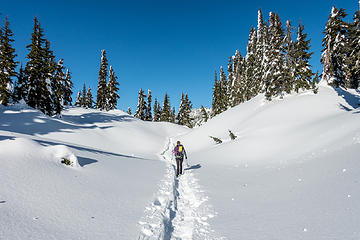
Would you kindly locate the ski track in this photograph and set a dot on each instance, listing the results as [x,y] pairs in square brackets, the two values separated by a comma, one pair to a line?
[179,210]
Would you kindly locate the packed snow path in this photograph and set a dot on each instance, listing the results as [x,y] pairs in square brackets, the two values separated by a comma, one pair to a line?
[179,210]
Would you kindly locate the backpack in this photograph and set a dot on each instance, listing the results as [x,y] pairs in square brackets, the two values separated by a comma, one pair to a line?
[179,151]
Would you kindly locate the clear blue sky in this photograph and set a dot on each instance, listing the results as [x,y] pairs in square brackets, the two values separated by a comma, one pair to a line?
[171,46]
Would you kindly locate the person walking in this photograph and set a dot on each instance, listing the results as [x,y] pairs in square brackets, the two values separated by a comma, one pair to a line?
[179,152]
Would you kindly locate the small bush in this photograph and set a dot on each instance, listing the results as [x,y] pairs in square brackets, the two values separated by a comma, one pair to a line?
[66,161]
[217,140]
[232,135]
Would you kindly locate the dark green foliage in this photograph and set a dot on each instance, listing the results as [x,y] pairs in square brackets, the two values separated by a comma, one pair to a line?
[204,114]
[166,110]
[232,135]
[173,116]
[157,111]
[89,99]
[66,161]
[112,89]
[148,108]
[129,111]
[78,99]
[101,100]
[83,99]
[217,140]
[67,89]
[141,107]
[58,88]
[20,90]
[7,63]
[183,116]
[314,83]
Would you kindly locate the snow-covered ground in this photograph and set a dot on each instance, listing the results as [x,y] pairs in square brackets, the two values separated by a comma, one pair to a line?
[291,173]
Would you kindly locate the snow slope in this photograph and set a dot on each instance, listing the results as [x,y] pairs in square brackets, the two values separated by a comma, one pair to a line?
[291,173]
[101,198]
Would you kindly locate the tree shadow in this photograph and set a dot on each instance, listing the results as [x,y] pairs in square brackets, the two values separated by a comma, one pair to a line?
[31,121]
[6,138]
[85,161]
[352,99]
[197,166]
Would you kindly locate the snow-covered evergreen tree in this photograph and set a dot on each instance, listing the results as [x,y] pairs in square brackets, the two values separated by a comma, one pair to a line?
[112,88]
[89,98]
[166,110]
[129,111]
[204,114]
[224,99]
[333,53]
[302,72]
[290,63]
[83,99]
[249,84]
[216,96]
[352,76]
[173,116]
[78,99]
[7,63]
[102,84]
[68,89]
[58,87]
[157,111]
[148,108]
[261,45]
[20,89]
[141,107]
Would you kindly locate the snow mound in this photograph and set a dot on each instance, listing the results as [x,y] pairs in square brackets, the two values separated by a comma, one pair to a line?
[62,153]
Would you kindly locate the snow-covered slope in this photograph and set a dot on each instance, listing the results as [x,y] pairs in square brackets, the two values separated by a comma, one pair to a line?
[101,198]
[291,173]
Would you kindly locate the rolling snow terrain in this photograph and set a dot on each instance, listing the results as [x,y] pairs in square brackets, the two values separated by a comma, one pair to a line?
[291,173]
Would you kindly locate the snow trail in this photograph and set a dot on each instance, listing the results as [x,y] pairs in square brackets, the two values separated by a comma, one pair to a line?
[180,209]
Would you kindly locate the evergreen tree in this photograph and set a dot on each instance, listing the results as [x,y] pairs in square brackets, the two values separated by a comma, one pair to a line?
[166,110]
[102,89]
[180,115]
[249,87]
[83,99]
[231,80]
[7,63]
[216,96]
[52,86]
[58,87]
[302,71]
[275,82]
[352,76]
[129,111]
[290,62]
[78,99]
[239,80]
[315,82]
[333,43]
[112,89]
[224,98]
[204,114]
[67,89]
[141,107]
[261,45]
[173,116]
[89,99]
[157,111]
[20,90]
[187,111]
[148,109]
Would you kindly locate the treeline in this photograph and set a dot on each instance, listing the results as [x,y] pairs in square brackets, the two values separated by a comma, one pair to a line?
[275,64]
[107,91]
[166,113]
[341,50]
[43,83]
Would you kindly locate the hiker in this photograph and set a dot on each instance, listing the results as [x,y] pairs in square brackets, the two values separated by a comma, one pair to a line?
[179,152]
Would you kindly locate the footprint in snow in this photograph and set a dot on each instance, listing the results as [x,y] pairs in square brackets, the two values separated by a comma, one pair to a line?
[2,201]
[36,218]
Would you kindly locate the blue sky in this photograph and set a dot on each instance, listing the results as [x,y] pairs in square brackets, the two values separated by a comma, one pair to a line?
[166,46]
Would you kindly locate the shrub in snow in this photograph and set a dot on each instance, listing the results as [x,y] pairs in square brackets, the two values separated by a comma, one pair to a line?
[66,161]
[232,135]
[217,140]
[65,155]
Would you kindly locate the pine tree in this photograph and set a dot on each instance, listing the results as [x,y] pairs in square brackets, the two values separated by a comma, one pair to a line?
[224,98]
[302,71]
[352,77]
[89,99]
[78,99]
[290,62]
[102,89]
[173,116]
[67,89]
[239,79]
[83,99]
[275,60]
[39,71]
[7,63]
[249,87]
[129,111]
[204,114]
[148,109]
[157,111]
[58,87]
[261,45]
[315,82]
[216,96]
[166,110]
[112,89]
[180,115]
[332,56]
[141,107]
[187,111]
[20,90]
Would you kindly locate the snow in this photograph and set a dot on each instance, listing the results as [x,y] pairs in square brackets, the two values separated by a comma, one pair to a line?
[291,173]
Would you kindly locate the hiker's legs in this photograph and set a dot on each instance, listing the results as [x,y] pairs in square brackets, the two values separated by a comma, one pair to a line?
[177,167]
[181,162]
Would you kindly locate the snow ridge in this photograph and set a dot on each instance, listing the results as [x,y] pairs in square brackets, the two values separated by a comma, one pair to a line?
[179,210]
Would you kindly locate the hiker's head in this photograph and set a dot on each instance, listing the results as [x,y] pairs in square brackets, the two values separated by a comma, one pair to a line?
[178,143]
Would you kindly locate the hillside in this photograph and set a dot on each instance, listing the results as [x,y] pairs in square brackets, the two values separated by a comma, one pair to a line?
[291,173]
